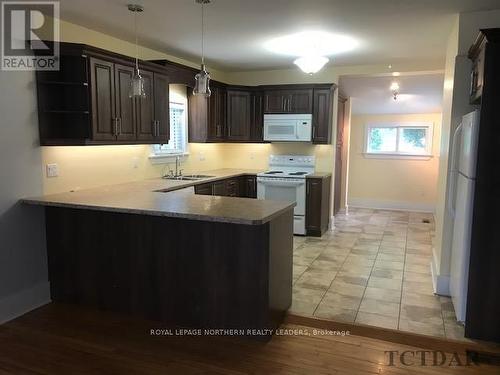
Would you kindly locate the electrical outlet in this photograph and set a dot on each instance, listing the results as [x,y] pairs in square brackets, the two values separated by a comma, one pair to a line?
[135,162]
[52,170]
[201,156]
[252,156]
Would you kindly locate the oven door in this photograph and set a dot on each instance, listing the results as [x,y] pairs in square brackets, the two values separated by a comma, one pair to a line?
[284,189]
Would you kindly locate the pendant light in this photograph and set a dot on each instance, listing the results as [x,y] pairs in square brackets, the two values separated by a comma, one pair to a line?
[202,79]
[136,89]
[395,90]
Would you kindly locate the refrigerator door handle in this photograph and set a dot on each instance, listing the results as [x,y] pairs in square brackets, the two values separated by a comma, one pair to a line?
[453,172]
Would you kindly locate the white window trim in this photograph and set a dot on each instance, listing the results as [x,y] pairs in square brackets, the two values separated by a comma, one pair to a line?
[397,154]
[165,157]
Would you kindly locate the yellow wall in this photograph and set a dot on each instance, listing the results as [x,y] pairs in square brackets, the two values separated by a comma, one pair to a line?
[392,183]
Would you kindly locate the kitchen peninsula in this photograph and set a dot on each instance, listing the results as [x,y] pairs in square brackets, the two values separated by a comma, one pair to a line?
[157,250]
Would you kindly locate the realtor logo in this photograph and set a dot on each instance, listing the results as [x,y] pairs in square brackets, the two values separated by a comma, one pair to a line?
[25,26]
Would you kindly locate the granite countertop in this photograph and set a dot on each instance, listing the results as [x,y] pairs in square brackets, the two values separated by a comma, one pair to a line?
[319,175]
[170,198]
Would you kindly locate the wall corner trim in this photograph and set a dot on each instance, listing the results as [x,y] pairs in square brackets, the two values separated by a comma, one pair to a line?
[15,305]
[441,284]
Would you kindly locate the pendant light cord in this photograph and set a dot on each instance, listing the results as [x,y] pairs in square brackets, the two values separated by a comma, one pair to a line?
[136,43]
[202,33]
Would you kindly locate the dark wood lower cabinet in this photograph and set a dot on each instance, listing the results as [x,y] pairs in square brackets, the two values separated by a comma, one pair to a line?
[317,205]
[204,189]
[182,273]
[248,186]
[243,186]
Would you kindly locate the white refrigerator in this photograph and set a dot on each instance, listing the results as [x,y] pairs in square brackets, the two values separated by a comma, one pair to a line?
[461,195]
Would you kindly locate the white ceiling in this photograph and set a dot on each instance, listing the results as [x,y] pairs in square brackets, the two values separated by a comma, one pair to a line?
[390,31]
[371,95]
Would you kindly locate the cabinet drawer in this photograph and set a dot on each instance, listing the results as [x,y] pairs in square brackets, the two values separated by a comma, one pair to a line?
[204,189]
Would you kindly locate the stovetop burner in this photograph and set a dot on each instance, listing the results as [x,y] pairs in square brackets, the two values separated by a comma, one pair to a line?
[274,172]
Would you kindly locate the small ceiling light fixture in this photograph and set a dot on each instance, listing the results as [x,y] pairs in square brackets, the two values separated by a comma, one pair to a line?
[396,74]
[311,64]
[311,48]
[136,89]
[202,79]
[395,90]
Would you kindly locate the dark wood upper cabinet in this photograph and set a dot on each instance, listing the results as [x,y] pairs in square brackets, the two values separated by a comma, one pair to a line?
[145,109]
[197,117]
[161,108]
[102,86]
[317,205]
[322,116]
[207,116]
[275,101]
[257,117]
[288,101]
[153,117]
[87,101]
[217,129]
[477,54]
[239,115]
[125,106]
[300,101]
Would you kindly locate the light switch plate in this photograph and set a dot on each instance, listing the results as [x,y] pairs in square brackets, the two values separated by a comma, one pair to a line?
[52,170]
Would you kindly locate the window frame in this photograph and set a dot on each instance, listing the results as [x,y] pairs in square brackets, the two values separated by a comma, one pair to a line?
[159,156]
[399,154]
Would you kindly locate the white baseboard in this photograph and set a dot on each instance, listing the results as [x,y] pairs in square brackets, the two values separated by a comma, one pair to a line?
[441,284]
[22,302]
[391,205]
[332,223]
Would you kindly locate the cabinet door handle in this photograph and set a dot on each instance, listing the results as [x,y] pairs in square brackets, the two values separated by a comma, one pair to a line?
[157,128]
[153,128]
[115,126]
[119,122]
[314,131]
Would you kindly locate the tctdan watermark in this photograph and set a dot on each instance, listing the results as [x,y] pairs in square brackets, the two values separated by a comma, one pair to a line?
[428,358]
[26,25]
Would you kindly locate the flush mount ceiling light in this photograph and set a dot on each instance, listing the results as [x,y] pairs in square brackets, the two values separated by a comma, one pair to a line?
[202,79]
[395,90]
[309,43]
[311,48]
[311,64]
[136,89]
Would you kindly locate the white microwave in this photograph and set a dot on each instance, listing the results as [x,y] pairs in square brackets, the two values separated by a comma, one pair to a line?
[288,128]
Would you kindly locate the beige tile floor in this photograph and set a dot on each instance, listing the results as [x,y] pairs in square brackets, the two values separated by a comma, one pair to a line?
[373,268]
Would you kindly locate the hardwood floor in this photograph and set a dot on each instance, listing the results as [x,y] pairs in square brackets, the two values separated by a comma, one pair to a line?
[62,339]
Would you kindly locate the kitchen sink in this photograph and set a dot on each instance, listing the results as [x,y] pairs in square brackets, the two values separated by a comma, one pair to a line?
[188,177]
[197,176]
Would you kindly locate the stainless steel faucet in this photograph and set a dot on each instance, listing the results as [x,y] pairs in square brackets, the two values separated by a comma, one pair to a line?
[178,171]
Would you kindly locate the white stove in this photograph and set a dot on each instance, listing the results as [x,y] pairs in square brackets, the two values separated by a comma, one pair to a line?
[286,181]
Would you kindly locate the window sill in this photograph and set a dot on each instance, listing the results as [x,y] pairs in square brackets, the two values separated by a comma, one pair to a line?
[165,158]
[374,155]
